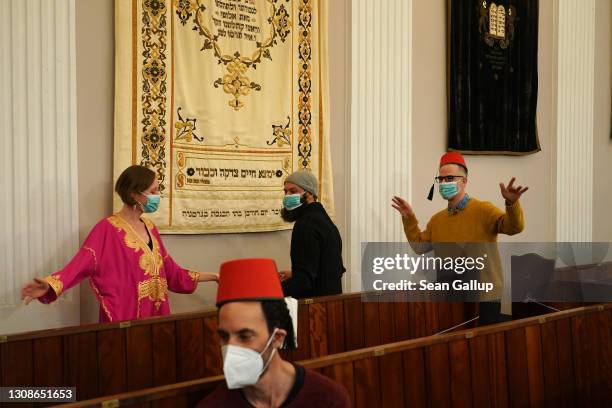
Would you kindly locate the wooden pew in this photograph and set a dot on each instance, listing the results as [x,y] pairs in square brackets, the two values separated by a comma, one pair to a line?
[561,359]
[104,359]
[559,283]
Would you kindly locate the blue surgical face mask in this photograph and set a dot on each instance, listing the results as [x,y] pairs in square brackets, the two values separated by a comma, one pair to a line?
[152,203]
[292,201]
[448,189]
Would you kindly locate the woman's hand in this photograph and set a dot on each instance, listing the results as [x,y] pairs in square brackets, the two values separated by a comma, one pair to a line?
[34,290]
[208,277]
[284,275]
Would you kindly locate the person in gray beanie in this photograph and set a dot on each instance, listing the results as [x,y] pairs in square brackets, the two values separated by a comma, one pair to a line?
[316,245]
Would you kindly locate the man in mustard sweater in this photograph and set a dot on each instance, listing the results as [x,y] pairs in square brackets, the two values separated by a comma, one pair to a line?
[467,220]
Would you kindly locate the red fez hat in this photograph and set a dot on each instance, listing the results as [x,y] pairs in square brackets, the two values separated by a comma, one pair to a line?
[249,279]
[448,158]
[453,158]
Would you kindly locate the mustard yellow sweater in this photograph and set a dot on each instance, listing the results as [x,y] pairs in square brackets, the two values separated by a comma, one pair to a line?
[478,222]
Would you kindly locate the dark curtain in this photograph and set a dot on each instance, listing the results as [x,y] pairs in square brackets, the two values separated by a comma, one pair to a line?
[493,84]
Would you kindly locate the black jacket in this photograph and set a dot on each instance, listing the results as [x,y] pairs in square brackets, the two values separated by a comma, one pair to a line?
[316,255]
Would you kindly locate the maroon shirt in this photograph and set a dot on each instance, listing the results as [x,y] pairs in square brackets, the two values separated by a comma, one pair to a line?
[310,389]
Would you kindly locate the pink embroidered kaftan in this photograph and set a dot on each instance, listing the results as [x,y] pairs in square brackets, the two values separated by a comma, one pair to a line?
[130,280]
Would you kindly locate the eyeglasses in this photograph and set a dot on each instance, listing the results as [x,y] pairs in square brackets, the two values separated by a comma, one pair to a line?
[448,179]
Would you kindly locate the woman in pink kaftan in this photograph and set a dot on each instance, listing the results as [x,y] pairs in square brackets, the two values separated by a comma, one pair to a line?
[124,259]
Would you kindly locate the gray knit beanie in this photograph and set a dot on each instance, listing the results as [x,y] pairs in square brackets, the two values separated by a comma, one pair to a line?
[306,180]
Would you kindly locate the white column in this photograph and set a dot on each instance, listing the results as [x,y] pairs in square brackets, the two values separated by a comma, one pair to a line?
[38,197]
[574,119]
[380,123]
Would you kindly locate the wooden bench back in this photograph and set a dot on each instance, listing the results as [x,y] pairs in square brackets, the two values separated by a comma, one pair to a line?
[104,359]
[561,359]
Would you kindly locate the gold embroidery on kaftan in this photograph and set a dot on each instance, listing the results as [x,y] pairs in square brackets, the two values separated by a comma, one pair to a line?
[55,283]
[94,256]
[100,299]
[155,289]
[150,262]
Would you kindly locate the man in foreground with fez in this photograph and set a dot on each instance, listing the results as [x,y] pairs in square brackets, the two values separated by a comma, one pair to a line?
[316,245]
[467,220]
[254,322]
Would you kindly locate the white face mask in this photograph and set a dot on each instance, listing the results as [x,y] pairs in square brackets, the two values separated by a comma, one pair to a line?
[243,366]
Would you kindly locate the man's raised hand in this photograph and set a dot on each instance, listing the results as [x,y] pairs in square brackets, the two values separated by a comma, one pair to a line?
[402,206]
[512,193]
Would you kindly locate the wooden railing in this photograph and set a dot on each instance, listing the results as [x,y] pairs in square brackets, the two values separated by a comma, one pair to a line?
[103,359]
[561,359]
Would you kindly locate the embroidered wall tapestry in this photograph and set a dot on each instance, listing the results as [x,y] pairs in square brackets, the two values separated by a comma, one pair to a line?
[493,84]
[223,99]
